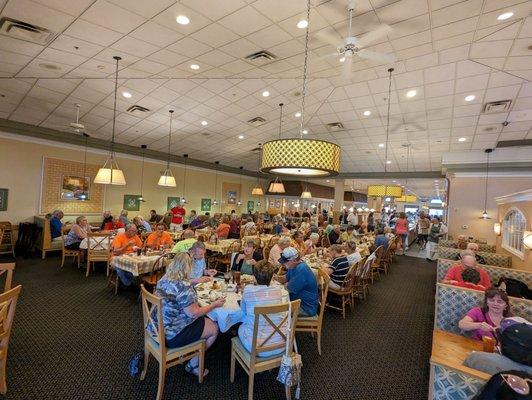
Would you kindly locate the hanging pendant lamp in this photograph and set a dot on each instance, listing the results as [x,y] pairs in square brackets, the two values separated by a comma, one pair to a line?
[83,195]
[239,202]
[183,199]
[277,185]
[141,197]
[167,178]
[110,173]
[485,213]
[301,157]
[257,189]
[215,202]
[305,194]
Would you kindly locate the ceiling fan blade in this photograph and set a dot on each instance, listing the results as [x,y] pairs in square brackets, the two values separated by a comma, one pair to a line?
[330,38]
[330,55]
[374,35]
[378,57]
[346,68]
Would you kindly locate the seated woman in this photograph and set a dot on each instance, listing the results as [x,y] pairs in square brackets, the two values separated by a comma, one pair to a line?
[312,242]
[353,256]
[184,320]
[304,226]
[483,321]
[141,224]
[160,239]
[77,233]
[246,260]
[223,229]
[123,217]
[277,249]
[261,294]
[249,227]
[298,241]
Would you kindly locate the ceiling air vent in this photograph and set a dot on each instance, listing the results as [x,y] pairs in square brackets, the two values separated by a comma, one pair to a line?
[497,107]
[514,143]
[136,109]
[335,127]
[261,57]
[257,121]
[24,31]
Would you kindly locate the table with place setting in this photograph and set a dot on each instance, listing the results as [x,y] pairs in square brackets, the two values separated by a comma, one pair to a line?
[222,246]
[135,264]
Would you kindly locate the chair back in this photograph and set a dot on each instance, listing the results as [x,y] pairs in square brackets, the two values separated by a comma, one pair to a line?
[366,269]
[325,241]
[273,241]
[349,279]
[266,252]
[378,254]
[265,313]
[323,286]
[234,247]
[7,269]
[98,245]
[153,304]
[8,304]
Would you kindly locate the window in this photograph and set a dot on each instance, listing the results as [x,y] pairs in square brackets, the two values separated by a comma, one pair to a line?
[435,212]
[411,209]
[513,227]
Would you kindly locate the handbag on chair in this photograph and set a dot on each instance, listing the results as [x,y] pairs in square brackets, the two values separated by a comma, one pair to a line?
[290,368]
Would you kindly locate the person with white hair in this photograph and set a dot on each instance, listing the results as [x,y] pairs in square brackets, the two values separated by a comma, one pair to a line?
[474,248]
[311,242]
[276,250]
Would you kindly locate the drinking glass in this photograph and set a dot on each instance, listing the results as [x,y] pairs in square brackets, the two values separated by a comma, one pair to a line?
[236,275]
[488,344]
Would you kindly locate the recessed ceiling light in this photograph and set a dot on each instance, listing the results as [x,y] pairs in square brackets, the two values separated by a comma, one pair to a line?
[367,113]
[194,66]
[342,59]
[505,15]
[297,114]
[381,145]
[411,93]
[471,97]
[304,132]
[182,20]
[327,181]
[204,123]
[394,181]
[127,95]
[435,180]
[241,137]
[302,24]
[388,162]
[462,139]
[265,93]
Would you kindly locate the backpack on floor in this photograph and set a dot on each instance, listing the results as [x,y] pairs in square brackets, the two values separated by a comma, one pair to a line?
[516,343]
[515,288]
[136,364]
[497,388]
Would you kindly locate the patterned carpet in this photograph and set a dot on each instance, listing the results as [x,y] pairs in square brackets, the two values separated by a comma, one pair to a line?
[73,339]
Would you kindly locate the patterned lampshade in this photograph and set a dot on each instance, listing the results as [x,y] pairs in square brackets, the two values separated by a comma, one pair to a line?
[385,190]
[257,191]
[407,198]
[300,157]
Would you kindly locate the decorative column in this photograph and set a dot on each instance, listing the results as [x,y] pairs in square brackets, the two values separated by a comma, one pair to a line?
[338,199]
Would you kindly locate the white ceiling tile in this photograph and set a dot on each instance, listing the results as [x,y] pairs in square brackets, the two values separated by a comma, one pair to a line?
[456,12]
[214,9]
[134,46]
[502,93]
[189,47]
[38,14]
[156,34]
[245,21]
[269,37]
[215,35]
[92,33]
[107,14]
[169,15]
[401,10]
[147,9]
[472,83]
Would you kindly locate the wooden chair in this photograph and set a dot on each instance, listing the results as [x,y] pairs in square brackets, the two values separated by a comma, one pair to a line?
[98,250]
[7,268]
[314,324]
[166,358]
[345,292]
[376,263]
[76,254]
[325,241]
[387,258]
[266,252]
[250,361]
[8,303]
[157,271]
[273,241]
[226,260]
[7,239]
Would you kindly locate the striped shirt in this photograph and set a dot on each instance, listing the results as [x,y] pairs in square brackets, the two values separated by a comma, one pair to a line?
[340,268]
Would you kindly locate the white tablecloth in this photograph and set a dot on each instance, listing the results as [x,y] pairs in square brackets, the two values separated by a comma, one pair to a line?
[226,316]
[101,246]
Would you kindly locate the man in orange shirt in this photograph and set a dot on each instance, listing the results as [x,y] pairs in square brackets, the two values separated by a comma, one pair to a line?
[125,242]
[159,238]
[223,229]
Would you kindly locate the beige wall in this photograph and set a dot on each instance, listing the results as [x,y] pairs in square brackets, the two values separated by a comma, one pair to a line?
[21,169]
[526,208]
[466,203]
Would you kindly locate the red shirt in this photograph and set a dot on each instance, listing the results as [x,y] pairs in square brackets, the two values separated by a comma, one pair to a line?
[455,274]
[469,285]
[401,226]
[110,226]
[177,214]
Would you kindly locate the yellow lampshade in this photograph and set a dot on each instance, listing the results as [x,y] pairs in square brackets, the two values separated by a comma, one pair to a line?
[257,191]
[497,228]
[110,173]
[301,157]
[167,179]
[407,198]
[276,187]
[306,194]
[385,190]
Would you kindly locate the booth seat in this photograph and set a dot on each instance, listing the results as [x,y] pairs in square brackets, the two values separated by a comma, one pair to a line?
[45,242]
[499,260]
[486,248]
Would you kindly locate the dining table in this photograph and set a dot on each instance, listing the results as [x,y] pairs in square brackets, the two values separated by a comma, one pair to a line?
[137,265]
[222,246]
[96,243]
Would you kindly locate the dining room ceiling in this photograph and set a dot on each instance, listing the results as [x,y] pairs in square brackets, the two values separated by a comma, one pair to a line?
[445,50]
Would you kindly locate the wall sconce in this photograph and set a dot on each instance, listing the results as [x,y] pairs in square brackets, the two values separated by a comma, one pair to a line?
[497,228]
[527,239]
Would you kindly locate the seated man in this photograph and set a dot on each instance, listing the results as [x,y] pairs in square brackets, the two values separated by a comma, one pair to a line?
[300,282]
[125,243]
[334,235]
[189,238]
[474,248]
[381,239]
[155,218]
[339,266]
[56,224]
[160,239]
[199,265]
[454,274]
[470,280]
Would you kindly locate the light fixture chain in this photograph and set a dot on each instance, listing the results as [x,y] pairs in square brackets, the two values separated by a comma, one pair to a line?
[85,156]
[114,110]
[280,119]
[388,120]
[169,141]
[487,173]
[305,67]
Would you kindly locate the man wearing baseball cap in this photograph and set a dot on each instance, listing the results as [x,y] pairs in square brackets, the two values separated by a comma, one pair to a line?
[300,282]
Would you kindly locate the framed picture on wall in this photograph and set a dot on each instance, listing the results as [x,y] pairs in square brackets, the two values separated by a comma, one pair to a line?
[3,199]
[172,202]
[231,197]
[131,202]
[251,205]
[73,187]
[205,204]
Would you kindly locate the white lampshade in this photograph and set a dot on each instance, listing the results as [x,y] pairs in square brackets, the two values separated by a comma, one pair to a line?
[306,194]
[527,239]
[359,210]
[167,179]
[276,187]
[110,176]
[497,228]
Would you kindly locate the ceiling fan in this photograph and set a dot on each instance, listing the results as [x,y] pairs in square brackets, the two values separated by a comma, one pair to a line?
[74,127]
[350,46]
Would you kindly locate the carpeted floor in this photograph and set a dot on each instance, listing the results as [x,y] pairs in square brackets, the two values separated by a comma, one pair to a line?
[73,339]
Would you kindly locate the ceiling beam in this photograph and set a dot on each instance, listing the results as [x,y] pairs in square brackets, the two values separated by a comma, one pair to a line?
[390,175]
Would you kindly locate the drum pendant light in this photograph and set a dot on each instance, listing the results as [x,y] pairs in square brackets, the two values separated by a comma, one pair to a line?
[110,173]
[141,197]
[167,178]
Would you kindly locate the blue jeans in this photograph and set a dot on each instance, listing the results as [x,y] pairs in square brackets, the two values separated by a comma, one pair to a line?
[125,277]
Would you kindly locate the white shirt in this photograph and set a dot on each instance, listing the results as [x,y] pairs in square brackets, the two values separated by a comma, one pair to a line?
[352,219]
